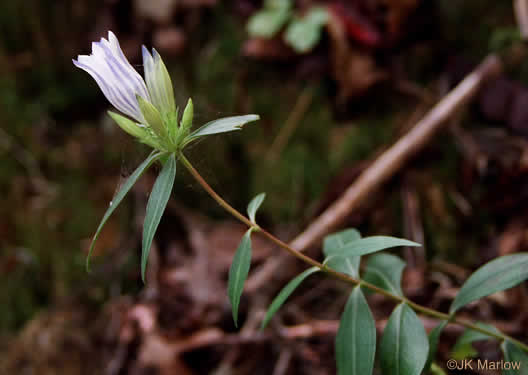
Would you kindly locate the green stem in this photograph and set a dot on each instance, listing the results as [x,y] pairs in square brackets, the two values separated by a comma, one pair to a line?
[338,275]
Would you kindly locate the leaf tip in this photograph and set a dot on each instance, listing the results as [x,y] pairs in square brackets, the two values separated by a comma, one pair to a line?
[89,256]
[234,312]
[87,265]
[143,274]
[253,117]
[254,205]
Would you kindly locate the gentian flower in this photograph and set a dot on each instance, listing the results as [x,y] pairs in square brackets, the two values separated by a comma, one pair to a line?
[151,115]
[149,107]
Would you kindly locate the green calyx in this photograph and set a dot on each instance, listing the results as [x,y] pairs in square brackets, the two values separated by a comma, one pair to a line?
[163,131]
[142,132]
[187,118]
[153,118]
[185,123]
[159,124]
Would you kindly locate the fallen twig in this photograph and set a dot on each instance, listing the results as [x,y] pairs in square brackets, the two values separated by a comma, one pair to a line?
[385,166]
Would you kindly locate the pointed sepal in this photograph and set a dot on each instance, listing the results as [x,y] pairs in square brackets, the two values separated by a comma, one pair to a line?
[158,81]
[136,130]
[152,117]
[128,125]
[187,118]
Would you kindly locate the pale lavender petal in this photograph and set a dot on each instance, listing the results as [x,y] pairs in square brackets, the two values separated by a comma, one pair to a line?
[114,43]
[124,67]
[115,98]
[118,80]
[111,88]
[123,82]
[150,77]
[158,82]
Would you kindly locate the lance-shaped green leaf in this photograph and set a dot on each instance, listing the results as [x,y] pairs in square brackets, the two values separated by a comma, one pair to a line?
[333,243]
[372,244]
[125,188]
[499,274]
[254,205]
[238,273]
[223,125]
[285,293]
[385,271]
[187,118]
[347,265]
[434,337]
[515,359]
[464,349]
[356,337]
[404,345]
[153,117]
[128,126]
[134,129]
[155,206]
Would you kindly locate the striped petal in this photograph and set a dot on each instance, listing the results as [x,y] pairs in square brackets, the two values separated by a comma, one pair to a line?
[114,75]
[158,82]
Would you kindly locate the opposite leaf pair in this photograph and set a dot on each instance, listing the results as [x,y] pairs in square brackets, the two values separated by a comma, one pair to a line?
[356,338]
[404,347]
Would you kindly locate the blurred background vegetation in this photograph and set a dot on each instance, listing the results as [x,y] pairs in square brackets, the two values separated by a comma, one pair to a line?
[62,158]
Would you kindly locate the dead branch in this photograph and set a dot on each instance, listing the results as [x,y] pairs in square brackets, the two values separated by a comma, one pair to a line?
[390,162]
